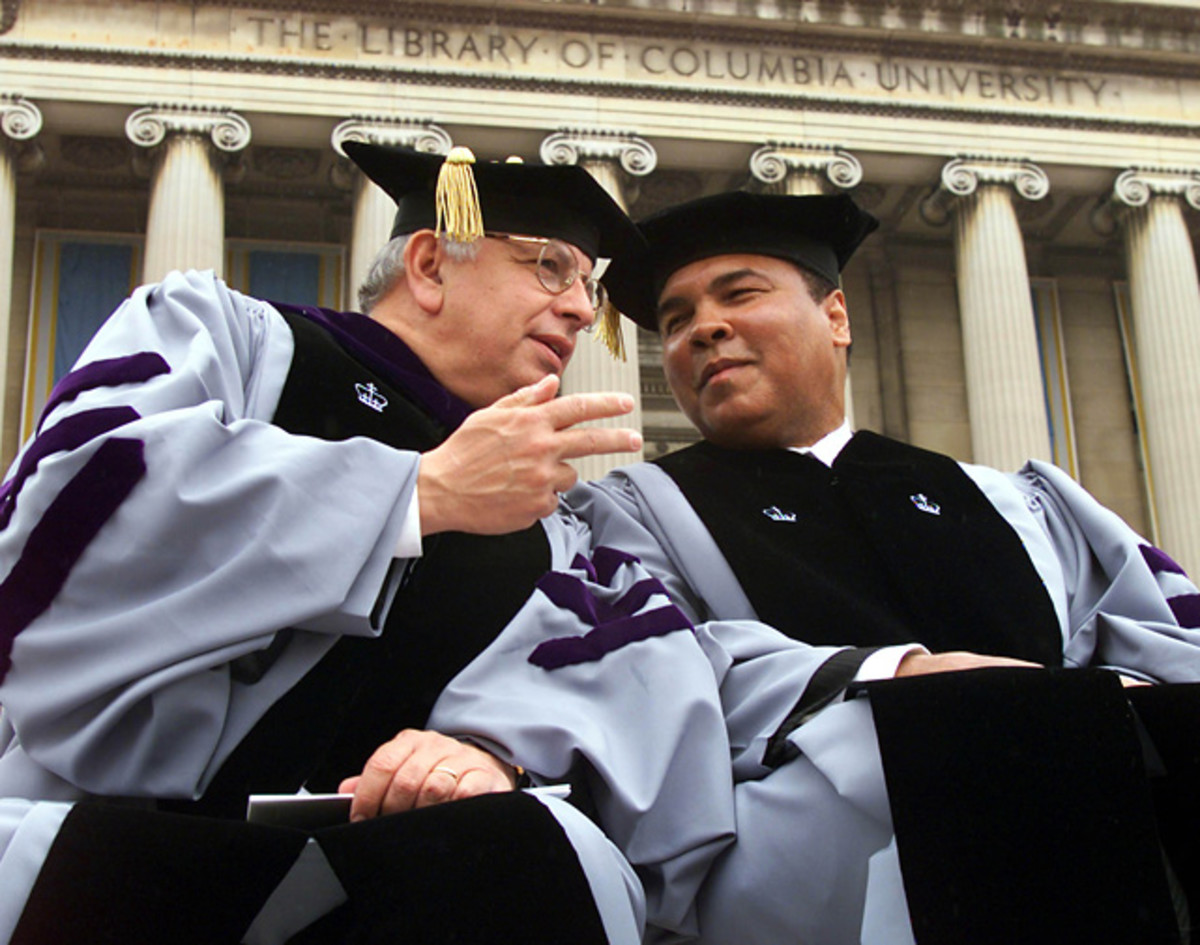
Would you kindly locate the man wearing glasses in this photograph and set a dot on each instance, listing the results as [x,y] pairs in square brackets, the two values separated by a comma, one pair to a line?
[252,541]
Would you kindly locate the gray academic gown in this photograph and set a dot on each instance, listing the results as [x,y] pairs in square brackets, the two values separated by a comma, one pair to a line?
[167,531]
[815,858]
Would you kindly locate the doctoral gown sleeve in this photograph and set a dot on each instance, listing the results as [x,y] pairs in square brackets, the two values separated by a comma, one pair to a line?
[1123,604]
[158,528]
[602,676]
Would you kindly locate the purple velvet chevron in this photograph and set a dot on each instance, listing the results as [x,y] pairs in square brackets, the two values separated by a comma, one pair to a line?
[607,560]
[67,434]
[580,563]
[571,593]
[58,541]
[1159,561]
[592,646]
[1186,608]
[111,372]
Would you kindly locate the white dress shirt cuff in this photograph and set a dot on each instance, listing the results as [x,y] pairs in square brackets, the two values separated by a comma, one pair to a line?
[883,663]
[409,543]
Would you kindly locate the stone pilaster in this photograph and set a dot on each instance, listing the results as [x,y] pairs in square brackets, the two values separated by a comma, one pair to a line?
[20,122]
[374,210]
[615,160]
[1165,296]
[1005,399]
[185,228]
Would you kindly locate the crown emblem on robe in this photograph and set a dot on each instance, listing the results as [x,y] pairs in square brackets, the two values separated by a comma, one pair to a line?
[369,394]
[925,504]
[776,514]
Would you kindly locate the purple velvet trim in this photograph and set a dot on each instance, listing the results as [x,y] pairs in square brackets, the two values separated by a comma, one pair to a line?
[570,593]
[583,564]
[67,528]
[380,350]
[635,598]
[1159,561]
[67,434]
[130,369]
[607,560]
[1186,608]
[594,645]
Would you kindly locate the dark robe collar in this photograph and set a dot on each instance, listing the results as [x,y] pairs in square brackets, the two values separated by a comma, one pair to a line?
[381,350]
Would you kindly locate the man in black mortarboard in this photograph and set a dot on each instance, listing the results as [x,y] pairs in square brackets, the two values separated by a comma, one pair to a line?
[993,804]
[251,541]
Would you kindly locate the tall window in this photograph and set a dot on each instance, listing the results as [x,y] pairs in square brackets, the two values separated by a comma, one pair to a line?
[78,279]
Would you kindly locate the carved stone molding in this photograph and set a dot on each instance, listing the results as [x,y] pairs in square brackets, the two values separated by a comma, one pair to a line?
[286,164]
[1135,187]
[570,146]
[148,127]
[94,154]
[963,176]
[771,164]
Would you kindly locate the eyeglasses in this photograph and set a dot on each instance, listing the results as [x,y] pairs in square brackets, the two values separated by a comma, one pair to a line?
[558,268]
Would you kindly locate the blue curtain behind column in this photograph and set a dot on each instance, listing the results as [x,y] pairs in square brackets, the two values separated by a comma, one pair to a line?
[285,277]
[93,279]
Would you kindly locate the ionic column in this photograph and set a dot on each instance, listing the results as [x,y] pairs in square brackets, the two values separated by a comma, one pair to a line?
[20,121]
[800,170]
[374,210]
[185,228]
[615,160]
[804,170]
[1165,297]
[1005,399]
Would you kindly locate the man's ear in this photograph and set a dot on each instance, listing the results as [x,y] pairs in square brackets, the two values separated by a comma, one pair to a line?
[834,307]
[423,261]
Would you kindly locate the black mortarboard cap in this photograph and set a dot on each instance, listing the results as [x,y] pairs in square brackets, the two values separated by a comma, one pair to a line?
[560,201]
[818,233]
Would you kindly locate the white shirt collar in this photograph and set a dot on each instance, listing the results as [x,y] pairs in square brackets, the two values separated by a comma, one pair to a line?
[829,446]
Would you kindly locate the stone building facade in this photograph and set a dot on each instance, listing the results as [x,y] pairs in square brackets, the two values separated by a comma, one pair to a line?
[1032,292]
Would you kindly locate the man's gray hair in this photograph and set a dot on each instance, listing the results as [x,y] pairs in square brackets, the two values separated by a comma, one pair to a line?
[388,267]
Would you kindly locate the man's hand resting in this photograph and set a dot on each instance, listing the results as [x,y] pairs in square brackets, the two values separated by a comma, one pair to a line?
[919,664]
[503,468]
[419,769]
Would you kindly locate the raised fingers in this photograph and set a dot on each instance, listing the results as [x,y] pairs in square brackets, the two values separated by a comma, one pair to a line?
[590,441]
[571,409]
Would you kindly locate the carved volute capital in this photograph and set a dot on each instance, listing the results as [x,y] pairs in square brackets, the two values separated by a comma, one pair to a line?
[20,123]
[772,163]
[148,127]
[420,135]
[1135,187]
[569,146]
[961,177]
[20,119]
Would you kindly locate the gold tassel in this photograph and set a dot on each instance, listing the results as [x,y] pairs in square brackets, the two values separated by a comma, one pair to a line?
[458,199]
[608,330]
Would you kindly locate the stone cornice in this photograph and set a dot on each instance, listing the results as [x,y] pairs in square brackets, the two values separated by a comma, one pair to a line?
[1037,22]
[964,175]
[771,163]
[1109,57]
[661,92]
[148,127]
[570,146]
